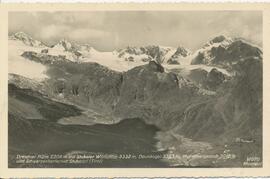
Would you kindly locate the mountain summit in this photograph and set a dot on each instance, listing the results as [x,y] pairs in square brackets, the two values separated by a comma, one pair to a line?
[64,45]
[225,52]
[26,39]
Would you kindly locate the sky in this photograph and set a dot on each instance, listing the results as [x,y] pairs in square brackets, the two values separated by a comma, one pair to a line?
[109,30]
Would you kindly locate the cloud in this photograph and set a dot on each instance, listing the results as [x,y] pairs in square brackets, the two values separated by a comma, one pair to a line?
[75,34]
[107,30]
[80,34]
[53,31]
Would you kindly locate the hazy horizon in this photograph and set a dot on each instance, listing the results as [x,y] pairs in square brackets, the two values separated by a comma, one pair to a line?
[110,30]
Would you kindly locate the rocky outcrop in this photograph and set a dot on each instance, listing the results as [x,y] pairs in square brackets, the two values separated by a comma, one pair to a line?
[179,53]
[218,39]
[214,79]
[162,55]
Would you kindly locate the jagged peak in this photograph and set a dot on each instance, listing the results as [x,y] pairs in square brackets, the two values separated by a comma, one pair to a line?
[220,39]
[21,36]
[64,40]
[26,39]
[181,49]
[64,43]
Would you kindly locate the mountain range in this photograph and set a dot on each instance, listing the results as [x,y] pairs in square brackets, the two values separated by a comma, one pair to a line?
[212,95]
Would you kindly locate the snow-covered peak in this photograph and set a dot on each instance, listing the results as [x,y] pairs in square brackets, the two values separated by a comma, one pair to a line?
[225,51]
[26,39]
[217,41]
[64,45]
[146,53]
[159,48]
[131,50]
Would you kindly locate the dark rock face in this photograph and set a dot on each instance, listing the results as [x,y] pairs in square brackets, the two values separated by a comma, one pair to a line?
[155,52]
[207,80]
[89,83]
[130,59]
[218,39]
[154,66]
[153,95]
[199,59]
[78,54]
[198,76]
[140,82]
[45,50]
[172,62]
[145,91]
[214,79]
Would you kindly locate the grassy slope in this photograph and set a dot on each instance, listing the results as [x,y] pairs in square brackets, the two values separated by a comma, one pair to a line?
[32,135]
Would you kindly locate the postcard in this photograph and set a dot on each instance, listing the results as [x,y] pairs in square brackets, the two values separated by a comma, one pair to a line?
[138,90]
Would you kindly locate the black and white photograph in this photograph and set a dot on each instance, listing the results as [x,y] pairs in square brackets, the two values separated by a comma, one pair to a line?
[135,89]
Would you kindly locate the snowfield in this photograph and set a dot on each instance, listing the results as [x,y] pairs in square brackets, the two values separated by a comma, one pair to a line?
[117,60]
[112,61]
[20,66]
